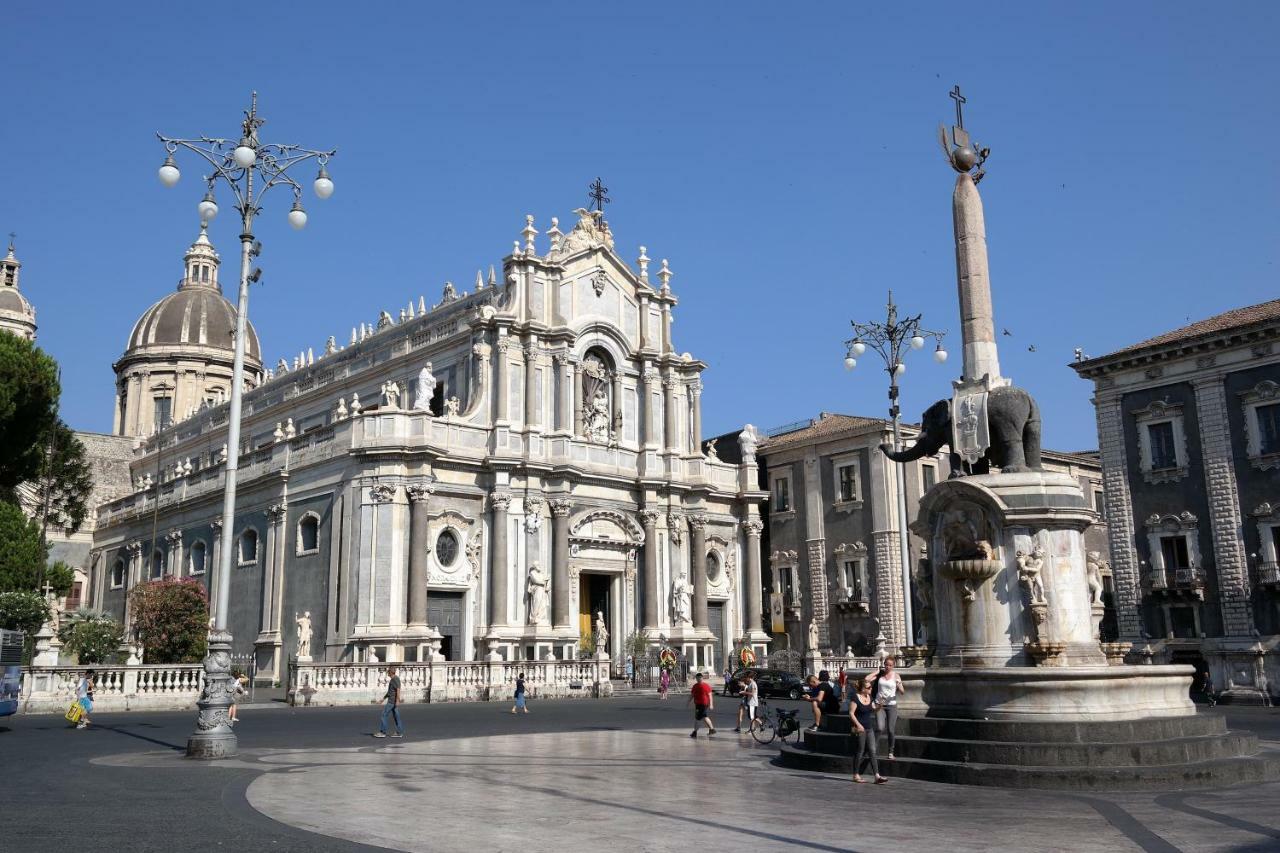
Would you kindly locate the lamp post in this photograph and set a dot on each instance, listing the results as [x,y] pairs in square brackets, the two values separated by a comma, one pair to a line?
[891,340]
[249,168]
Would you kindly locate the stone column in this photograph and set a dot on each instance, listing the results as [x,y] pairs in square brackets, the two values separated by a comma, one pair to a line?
[575,428]
[666,327]
[695,389]
[644,322]
[976,321]
[276,516]
[1115,491]
[504,377]
[564,404]
[532,416]
[1224,507]
[698,547]
[652,429]
[561,594]
[498,561]
[751,618]
[419,552]
[649,519]
[670,441]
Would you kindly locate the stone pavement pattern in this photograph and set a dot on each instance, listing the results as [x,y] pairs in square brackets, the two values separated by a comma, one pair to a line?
[655,789]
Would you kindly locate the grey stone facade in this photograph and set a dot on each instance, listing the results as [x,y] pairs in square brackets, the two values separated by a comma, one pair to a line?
[1186,426]
[403,488]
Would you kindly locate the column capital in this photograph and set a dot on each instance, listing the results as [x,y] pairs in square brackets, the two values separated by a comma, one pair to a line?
[174,536]
[276,512]
[499,501]
[382,493]
[216,524]
[752,527]
[649,518]
[419,492]
[560,507]
[697,522]
[675,527]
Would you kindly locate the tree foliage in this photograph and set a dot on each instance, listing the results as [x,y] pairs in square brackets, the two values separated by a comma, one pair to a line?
[22,547]
[91,635]
[60,577]
[28,409]
[23,611]
[65,480]
[171,619]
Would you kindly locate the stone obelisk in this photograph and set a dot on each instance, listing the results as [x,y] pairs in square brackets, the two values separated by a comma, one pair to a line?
[977,327]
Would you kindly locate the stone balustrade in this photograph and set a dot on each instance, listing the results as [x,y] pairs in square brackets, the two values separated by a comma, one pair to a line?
[842,663]
[446,681]
[150,687]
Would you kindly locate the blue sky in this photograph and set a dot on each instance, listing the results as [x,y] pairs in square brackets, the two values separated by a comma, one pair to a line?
[782,156]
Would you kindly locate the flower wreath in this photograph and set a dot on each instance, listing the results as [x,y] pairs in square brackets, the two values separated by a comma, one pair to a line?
[746,657]
[667,658]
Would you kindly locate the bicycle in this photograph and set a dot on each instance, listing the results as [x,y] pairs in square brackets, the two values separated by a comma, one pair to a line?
[776,723]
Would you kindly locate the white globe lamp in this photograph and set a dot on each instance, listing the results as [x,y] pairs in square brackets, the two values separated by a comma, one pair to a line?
[298,216]
[168,172]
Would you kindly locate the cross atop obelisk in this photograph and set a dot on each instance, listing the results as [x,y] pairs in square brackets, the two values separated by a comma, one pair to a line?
[977,324]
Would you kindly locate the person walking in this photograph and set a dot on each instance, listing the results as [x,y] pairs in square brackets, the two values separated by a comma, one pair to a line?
[1207,687]
[238,681]
[702,697]
[391,705]
[520,696]
[886,689]
[728,681]
[750,701]
[84,695]
[862,713]
[664,683]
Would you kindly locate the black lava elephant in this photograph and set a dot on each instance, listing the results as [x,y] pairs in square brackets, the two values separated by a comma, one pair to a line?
[1014,421]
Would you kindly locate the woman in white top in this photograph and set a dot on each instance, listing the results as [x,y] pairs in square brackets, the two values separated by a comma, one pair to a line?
[84,695]
[888,686]
[750,701]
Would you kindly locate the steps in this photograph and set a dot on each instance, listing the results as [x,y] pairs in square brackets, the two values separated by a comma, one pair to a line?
[1180,752]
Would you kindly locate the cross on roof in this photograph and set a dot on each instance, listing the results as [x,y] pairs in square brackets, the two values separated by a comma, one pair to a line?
[597,194]
[960,101]
[12,236]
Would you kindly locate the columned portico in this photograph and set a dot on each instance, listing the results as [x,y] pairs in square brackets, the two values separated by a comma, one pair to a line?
[419,553]
[561,592]
[652,594]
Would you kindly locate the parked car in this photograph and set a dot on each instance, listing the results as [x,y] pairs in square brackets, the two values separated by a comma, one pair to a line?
[773,682]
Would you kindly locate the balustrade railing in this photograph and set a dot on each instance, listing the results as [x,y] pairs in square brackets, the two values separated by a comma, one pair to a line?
[115,688]
[1269,572]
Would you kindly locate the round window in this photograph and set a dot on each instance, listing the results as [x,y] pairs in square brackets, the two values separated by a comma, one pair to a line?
[713,566]
[447,547]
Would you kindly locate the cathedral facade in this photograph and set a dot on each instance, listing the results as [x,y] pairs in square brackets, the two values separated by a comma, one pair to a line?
[491,474]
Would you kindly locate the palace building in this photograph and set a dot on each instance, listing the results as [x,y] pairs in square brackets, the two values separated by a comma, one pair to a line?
[487,474]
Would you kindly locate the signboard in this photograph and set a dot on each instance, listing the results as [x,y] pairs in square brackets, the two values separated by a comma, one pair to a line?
[775,613]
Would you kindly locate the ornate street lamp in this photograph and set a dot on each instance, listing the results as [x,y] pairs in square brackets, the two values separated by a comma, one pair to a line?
[891,340]
[249,168]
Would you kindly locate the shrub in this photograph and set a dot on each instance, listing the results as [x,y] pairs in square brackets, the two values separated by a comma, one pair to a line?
[171,619]
[92,640]
[22,549]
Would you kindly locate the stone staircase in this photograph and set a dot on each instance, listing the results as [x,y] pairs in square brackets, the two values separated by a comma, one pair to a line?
[1164,753]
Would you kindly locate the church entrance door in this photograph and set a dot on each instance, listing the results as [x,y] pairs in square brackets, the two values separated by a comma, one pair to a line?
[715,621]
[593,596]
[444,613]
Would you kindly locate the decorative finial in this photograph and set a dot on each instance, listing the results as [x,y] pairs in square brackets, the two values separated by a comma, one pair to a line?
[422,304]
[963,155]
[554,234]
[479,281]
[529,233]
[597,195]
[493,278]
[643,263]
[664,275]
[13,236]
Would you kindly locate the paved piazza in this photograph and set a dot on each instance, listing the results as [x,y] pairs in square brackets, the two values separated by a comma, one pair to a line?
[617,775]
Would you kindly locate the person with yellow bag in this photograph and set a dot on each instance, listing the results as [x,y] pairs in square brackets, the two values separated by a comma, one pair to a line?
[78,713]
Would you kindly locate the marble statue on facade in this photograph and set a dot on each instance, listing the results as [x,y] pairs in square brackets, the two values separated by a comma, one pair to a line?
[341,413]
[304,635]
[452,405]
[425,390]
[1029,568]
[355,405]
[537,590]
[1093,576]
[278,434]
[711,454]
[598,417]
[748,441]
[682,600]
[813,635]
[601,632]
[391,394]
[290,431]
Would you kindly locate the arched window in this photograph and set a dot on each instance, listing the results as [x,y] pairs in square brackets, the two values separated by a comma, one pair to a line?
[157,564]
[447,547]
[308,534]
[117,574]
[198,555]
[249,547]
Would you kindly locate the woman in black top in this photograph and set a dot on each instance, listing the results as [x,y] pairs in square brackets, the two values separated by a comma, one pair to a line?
[862,713]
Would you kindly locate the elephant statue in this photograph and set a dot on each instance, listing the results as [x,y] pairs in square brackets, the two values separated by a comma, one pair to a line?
[1013,419]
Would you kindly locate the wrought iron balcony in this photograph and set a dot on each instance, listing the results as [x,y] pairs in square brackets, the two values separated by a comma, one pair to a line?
[1269,573]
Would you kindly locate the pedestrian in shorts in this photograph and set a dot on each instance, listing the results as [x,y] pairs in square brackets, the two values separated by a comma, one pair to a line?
[84,695]
[701,695]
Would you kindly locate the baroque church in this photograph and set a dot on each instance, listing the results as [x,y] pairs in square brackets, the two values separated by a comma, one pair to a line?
[493,473]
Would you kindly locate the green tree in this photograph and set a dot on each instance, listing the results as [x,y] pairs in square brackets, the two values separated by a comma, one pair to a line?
[91,635]
[65,480]
[29,392]
[171,619]
[60,577]
[24,611]
[22,547]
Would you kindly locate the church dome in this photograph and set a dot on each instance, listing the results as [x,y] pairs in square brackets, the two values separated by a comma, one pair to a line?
[197,315]
[16,314]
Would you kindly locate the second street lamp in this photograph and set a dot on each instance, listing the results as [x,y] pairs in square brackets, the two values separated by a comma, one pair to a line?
[249,168]
[891,340]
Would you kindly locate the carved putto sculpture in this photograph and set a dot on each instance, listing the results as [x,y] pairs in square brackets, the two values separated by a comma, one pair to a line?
[304,633]
[681,600]
[425,390]
[539,582]
[391,394]
[1029,566]
[711,453]
[1093,568]
[452,405]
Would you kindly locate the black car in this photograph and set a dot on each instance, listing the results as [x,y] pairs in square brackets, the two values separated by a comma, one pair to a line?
[772,682]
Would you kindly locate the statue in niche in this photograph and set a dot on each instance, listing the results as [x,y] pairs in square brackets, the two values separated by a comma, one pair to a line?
[539,582]
[682,600]
[1093,567]
[1029,567]
[426,388]
[964,535]
[452,405]
[597,407]
[813,635]
[304,634]
[391,394]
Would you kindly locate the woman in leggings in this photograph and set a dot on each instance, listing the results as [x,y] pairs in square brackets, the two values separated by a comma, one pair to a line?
[862,713]
[888,686]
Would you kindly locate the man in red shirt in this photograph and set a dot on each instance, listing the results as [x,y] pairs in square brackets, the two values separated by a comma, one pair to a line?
[702,697]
